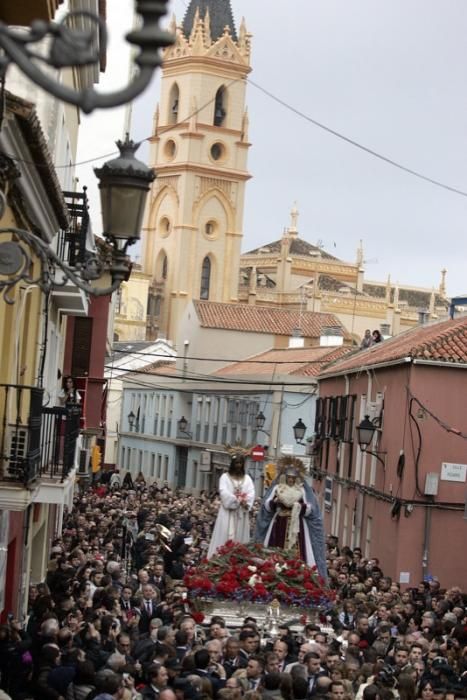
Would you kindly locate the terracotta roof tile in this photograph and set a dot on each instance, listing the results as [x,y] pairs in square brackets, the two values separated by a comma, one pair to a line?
[264,319]
[290,361]
[445,341]
[314,369]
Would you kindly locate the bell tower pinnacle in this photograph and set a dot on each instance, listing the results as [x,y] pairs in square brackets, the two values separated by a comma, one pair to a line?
[199,148]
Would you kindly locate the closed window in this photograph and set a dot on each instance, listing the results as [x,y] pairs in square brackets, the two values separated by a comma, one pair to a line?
[205,279]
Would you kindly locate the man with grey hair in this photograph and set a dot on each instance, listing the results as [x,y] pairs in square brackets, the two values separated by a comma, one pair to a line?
[108,685]
[305,648]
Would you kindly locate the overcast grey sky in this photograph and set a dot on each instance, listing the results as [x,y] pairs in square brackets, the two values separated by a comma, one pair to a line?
[391,75]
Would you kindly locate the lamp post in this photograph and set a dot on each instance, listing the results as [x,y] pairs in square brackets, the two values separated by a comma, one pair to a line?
[131,420]
[72,47]
[182,426]
[260,420]
[299,430]
[124,183]
[365,432]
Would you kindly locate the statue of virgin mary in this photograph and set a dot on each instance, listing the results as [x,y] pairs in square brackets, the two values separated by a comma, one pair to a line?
[290,517]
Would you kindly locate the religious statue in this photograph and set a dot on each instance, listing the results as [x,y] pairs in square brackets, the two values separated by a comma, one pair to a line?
[237,494]
[290,517]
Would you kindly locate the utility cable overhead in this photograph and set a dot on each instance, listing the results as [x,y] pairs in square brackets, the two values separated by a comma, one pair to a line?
[209,379]
[354,143]
[321,361]
[299,113]
[215,393]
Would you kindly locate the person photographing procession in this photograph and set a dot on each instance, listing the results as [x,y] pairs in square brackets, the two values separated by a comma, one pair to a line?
[237,495]
[69,394]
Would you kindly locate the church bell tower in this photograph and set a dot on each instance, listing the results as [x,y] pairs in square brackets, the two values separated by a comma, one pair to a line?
[199,146]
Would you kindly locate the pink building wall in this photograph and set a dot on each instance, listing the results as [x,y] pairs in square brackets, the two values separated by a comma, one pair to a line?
[399,542]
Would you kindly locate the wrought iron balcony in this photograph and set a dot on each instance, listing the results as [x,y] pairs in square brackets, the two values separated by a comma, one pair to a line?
[35,441]
[59,435]
[20,436]
[71,246]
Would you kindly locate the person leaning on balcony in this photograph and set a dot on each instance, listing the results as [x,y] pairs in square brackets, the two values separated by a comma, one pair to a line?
[69,394]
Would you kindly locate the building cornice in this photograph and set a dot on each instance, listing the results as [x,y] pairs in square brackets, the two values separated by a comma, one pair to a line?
[203,64]
[226,173]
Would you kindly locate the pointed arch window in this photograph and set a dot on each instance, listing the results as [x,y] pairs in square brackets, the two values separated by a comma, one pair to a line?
[174,102]
[220,106]
[165,265]
[205,279]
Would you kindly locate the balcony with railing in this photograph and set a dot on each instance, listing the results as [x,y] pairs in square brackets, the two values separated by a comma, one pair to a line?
[20,437]
[71,248]
[37,447]
[59,435]
[72,242]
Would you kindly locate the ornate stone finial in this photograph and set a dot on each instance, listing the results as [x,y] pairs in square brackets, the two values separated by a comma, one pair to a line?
[197,36]
[293,230]
[388,290]
[173,24]
[244,40]
[207,28]
[253,281]
[442,284]
[156,120]
[360,254]
[242,32]
[396,296]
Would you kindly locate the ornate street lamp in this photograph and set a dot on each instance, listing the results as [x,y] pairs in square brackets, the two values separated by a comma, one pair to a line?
[260,421]
[299,430]
[365,432]
[182,426]
[72,47]
[124,183]
[131,420]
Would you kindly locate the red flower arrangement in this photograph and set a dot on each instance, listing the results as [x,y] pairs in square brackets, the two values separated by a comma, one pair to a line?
[250,572]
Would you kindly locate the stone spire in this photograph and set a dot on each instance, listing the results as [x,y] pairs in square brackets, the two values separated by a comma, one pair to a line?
[293,230]
[220,16]
[388,290]
[360,254]
[442,284]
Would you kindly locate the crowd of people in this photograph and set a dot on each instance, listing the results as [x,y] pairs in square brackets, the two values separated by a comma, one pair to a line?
[113,619]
